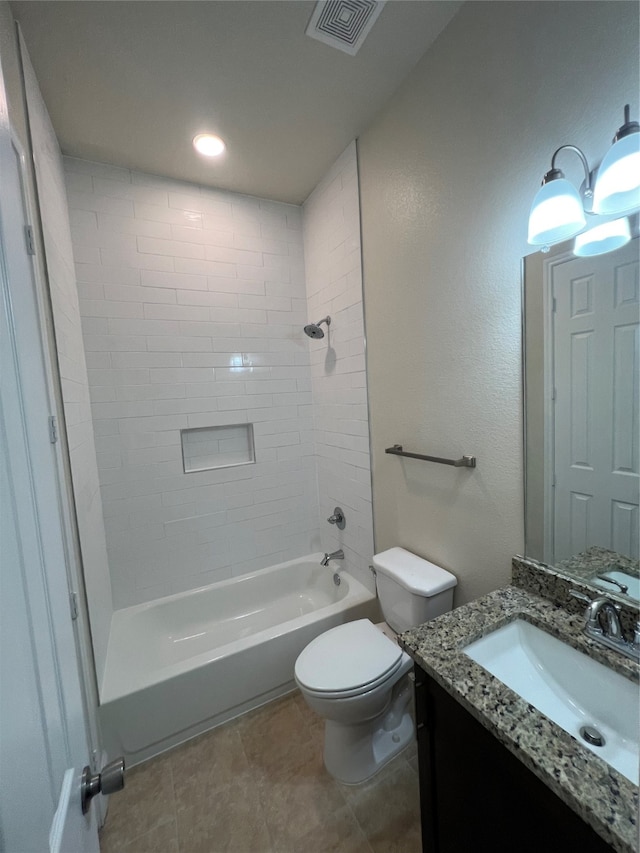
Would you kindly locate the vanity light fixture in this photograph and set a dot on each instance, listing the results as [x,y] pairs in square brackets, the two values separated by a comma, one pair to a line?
[558,209]
[208,144]
[557,212]
[603,238]
[617,188]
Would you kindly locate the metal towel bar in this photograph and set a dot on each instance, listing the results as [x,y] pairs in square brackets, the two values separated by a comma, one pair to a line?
[463,462]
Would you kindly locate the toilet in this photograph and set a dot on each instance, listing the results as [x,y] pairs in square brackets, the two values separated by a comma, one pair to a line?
[357,678]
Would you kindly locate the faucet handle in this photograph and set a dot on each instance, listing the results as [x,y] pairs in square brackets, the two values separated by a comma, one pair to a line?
[581,596]
[338,518]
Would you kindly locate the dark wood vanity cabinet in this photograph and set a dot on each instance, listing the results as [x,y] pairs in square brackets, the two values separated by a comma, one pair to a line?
[475,795]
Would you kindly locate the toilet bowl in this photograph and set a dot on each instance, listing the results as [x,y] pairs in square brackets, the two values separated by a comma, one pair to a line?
[357,678]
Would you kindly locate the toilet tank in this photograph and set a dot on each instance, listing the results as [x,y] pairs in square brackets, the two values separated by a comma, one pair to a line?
[411,590]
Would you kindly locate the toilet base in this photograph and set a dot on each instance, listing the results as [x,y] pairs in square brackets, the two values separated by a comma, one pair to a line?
[353,754]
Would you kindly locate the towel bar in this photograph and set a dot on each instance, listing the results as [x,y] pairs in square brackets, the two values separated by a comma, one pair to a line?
[463,462]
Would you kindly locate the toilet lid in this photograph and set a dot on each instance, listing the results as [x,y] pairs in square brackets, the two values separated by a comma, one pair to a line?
[346,658]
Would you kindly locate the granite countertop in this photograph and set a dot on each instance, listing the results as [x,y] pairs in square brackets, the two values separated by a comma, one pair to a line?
[587,564]
[602,797]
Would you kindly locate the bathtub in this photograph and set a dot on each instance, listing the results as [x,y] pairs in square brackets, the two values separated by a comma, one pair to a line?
[183,664]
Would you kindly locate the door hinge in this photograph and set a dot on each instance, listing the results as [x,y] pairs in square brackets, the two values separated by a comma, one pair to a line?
[28,234]
[73,601]
[554,305]
[554,394]
[53,429]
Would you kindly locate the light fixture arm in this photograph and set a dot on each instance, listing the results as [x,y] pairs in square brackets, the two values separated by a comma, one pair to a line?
[557,173]
[628,126]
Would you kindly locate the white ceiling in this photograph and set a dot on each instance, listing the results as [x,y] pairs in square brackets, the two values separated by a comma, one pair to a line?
[131,83]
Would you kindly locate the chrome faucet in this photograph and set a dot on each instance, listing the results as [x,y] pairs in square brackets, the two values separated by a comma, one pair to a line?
[603,625]
[335,555]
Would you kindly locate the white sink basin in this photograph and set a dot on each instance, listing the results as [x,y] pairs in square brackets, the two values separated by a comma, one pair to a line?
[568,687]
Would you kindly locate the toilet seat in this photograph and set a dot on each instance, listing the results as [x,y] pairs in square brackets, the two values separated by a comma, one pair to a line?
[347,661]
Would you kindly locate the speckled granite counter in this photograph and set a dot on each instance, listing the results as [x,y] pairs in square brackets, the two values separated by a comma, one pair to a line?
[606,800]
[594,560]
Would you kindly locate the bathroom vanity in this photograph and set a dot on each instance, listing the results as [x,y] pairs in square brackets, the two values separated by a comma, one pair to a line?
[493,768]
[500,799]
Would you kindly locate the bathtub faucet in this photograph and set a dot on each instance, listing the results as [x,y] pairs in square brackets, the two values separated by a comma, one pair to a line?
[336,555]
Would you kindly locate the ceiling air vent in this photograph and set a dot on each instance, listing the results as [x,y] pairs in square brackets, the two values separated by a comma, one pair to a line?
[344,23]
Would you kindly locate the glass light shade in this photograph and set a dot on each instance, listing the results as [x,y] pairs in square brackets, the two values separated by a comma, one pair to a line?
[556,213]
[617,188]
[602,238]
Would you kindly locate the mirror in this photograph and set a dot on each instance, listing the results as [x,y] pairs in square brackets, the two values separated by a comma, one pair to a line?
[581,377]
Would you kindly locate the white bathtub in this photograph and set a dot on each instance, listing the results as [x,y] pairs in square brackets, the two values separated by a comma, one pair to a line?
[180,665]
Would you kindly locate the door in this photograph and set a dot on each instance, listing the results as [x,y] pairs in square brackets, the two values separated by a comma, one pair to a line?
[595,340]
[43,729]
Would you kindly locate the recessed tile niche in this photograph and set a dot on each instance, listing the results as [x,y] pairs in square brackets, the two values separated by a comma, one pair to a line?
[206,448]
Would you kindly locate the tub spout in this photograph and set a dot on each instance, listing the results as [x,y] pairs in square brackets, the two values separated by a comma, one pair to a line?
[335,555]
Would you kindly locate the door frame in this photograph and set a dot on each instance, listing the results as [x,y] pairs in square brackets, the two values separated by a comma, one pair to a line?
[71,538]
[36,498]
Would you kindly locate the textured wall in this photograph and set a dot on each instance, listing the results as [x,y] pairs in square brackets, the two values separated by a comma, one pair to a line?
[448,171]
[193,303]
[333,271]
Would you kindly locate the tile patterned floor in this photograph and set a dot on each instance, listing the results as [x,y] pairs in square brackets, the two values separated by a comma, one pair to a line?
[258,785]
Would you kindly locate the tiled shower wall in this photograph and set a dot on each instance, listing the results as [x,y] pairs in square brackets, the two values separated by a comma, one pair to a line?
[192,303]
[338,371]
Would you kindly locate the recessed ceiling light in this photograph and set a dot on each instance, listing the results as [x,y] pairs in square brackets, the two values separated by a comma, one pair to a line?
[209,145]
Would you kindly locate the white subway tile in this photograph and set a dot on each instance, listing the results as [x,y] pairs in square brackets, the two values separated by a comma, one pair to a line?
[115,343]
[232,255]
[136,260]
[150,392]
[90,291]
[121,293]
[121,189]
[158,213]
[182,374]
[207,299]
[143,327]
[174,280]
[94,326]
[131,225]
[79,183]
[235,285]
[203,236]
[98,359]
[86,254]
[258,301]
[101,308]
[179,344]
[175,312]
[76,165]
[174,248]
[100,203]
[145,359]
[208,268]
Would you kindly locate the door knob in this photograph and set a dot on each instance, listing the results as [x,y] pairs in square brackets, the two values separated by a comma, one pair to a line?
[108,781]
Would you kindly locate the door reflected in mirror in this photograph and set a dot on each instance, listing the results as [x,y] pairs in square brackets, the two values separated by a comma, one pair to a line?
[582,428]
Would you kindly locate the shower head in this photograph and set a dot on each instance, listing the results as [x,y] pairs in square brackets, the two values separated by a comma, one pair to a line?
[313,330]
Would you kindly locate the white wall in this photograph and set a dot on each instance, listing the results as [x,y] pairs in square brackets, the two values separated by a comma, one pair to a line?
[448,171]
[74,384]
[193,303]
[333,272]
